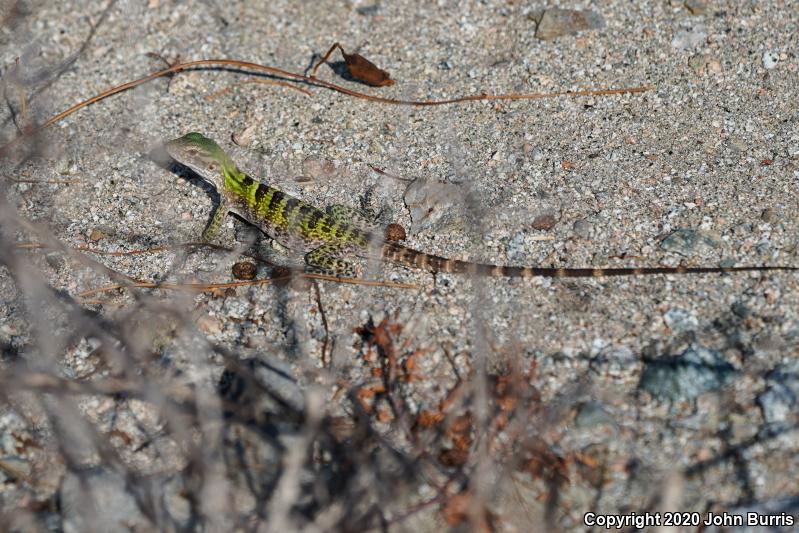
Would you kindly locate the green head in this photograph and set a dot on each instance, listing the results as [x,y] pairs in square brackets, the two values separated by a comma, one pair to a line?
[203,156]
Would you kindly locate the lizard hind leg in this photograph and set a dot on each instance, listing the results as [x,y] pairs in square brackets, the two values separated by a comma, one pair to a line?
[331,259]
[351,215]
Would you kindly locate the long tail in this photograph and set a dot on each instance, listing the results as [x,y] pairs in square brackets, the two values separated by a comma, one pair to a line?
[433,263]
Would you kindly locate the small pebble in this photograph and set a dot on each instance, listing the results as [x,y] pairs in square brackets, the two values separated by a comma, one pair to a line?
[770,60]
[769,215]
[244,270]
[556,22]
[515,248]
[429,201]
[704,63]
[688,242]
[544,222]
[395,232]
[96,235]
[368,10]
[582,229]
[316,167]
[246,136]
[686,40]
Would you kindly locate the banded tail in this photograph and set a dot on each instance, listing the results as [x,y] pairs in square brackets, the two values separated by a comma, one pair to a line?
[409,257]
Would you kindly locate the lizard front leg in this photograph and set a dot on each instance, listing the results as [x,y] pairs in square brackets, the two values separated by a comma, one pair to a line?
[331,259]
[215,224]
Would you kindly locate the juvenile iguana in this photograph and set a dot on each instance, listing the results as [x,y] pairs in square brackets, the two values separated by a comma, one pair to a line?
[331,239]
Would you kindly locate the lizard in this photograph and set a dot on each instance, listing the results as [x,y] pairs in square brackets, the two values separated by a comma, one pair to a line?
[333,238]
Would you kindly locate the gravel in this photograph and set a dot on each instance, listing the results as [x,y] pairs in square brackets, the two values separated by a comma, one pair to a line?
[700,170]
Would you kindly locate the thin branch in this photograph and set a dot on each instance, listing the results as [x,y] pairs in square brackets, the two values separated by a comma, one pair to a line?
[388,174]
[246,65]
[202,287]
[49,182]
[323,316]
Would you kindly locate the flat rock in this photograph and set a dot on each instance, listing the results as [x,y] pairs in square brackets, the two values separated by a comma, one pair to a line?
[689,242]
[683,377]
[556,22]
[689,39]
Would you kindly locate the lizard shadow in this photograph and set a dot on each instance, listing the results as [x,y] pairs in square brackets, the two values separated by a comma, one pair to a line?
[282,301]
[159,156]
[288,77]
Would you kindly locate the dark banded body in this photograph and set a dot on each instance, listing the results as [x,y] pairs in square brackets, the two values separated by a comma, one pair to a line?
[292,222]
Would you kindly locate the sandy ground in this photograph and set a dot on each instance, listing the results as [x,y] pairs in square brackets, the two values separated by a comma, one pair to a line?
[682,391]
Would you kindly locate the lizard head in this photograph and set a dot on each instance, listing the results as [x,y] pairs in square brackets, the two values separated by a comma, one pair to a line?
[203,156]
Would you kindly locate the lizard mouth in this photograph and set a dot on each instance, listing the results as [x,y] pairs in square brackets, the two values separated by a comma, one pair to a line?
[170,147]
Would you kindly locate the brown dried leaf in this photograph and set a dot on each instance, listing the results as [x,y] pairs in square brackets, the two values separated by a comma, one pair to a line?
[458,510]
[365,71]
[427,418]
[359,68]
